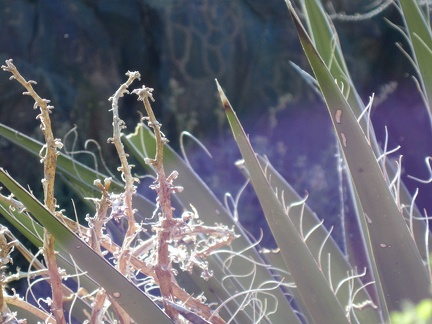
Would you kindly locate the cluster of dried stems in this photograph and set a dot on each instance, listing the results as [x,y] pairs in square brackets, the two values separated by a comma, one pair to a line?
[183,240]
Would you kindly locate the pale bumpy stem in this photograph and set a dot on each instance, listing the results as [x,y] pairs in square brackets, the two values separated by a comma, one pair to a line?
[49,160]
[96,226]
[163,267]
[125,168]
[153,257]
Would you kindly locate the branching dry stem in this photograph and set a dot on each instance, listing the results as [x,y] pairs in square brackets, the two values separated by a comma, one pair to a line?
[96,228]
[164,189]
[48,156]
[6,316]
[178,292]
[97,223]
[183,240]
[125,168]
[98,310]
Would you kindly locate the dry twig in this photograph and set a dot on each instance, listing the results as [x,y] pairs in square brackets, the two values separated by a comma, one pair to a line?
[48,156]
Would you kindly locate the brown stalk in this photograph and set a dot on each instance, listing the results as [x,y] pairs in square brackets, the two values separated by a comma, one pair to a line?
[49,160]
[179,293]
[6,316]
[176,301]
[125,168]
[164,189]
[96,225]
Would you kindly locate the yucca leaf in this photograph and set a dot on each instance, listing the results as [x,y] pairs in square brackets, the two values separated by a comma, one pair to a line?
[137,304]
[311,283]
[141,145]
[326,41]
[30,313]
[23,223]
[420,36]
[395,253]
[33,232]
[77,175]
[80,178]
[328,255]
[65,163]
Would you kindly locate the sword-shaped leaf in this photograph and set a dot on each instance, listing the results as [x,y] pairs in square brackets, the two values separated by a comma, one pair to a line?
[313,287]
[394,251]
[141,144]
[136,303]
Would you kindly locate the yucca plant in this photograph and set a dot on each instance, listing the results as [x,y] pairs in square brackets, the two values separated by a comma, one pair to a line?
[185,257]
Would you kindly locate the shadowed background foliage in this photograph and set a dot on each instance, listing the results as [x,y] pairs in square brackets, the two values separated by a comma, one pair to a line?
[79,50]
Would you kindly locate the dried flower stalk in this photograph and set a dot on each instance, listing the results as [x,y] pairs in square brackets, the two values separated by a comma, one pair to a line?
[164,188]
[125,168]
[177,232]
[183,240]
[49,159]
[6,316]
[95,231]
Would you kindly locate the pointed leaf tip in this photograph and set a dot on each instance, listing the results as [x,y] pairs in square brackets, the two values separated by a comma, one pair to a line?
[224,99]
[299,26]
[305,40]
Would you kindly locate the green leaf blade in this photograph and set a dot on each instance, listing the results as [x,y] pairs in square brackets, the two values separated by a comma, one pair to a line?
[135,302]
[395,253]
[311,283]
[420,36]
[141,145]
